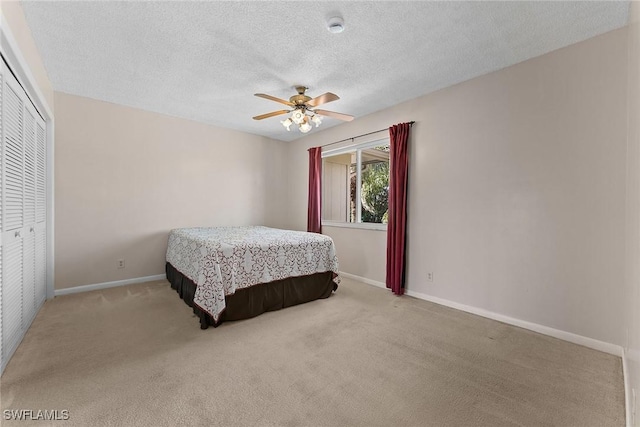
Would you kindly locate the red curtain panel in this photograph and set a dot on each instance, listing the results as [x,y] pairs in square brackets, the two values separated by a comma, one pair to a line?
[396,228]
[315,190]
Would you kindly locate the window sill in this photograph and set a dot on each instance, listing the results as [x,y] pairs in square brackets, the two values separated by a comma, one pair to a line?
[361,225]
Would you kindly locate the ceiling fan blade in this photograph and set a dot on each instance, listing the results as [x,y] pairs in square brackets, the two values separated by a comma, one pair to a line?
[271,114]
[323,99]
[273,98]
[339,116]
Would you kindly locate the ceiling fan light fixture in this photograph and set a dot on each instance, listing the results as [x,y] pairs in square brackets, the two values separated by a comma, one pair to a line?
[303,112]
[305,127]
[287,123]
[316,120]
[298,116]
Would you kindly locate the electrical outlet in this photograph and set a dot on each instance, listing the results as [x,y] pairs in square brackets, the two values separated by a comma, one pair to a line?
[430,277]
[120,263]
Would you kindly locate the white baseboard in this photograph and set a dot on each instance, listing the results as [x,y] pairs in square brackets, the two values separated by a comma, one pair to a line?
[105,285]
[606,347]
[362,279]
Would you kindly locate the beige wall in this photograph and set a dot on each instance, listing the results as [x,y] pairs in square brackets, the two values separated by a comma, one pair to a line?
[12,12]
[516,190]
[632,294]
[125,177]
[360,251]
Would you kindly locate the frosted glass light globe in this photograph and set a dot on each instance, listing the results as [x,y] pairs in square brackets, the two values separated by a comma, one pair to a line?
[287,123]
[305,127]
[297,116]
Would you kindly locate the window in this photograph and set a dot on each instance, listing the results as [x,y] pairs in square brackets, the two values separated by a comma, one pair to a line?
[355,187]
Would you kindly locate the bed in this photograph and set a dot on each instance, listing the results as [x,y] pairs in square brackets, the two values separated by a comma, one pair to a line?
[233,273]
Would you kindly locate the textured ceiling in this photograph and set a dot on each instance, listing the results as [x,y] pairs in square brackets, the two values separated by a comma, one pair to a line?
[205,60]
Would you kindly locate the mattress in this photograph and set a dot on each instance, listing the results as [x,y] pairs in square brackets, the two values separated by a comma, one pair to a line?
[221,260]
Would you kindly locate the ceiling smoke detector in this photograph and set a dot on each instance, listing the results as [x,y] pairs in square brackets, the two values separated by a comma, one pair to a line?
[335,25]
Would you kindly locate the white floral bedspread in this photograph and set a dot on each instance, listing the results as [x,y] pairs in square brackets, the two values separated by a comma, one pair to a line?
[221,260]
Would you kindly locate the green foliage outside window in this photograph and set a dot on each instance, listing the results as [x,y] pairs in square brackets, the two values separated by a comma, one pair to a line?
[375,192]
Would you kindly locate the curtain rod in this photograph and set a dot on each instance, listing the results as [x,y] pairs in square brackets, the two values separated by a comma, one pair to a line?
[358,136]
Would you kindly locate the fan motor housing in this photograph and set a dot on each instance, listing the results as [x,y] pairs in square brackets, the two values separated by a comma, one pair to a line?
[300,98]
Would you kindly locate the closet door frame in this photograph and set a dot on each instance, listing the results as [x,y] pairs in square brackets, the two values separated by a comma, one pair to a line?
[13,56]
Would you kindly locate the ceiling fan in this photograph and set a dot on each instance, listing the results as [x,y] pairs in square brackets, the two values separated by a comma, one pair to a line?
[303,112]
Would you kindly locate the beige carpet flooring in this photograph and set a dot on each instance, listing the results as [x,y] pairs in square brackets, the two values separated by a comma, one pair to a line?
[135,356]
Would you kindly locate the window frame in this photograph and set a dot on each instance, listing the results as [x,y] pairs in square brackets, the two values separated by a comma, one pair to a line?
[358,150]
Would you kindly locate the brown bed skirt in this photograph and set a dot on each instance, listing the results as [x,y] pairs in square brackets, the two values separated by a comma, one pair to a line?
[255,300]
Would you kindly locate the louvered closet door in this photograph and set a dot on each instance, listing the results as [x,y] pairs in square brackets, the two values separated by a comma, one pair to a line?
[29,213]
[12,213]
[1,192]
[41,213]
[22,213]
